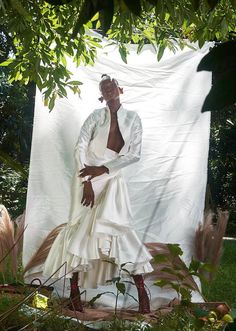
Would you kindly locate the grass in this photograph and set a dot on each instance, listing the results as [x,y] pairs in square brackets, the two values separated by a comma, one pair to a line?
[223,287]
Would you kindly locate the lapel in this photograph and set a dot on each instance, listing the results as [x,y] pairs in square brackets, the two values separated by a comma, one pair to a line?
[104,133]
[124,128]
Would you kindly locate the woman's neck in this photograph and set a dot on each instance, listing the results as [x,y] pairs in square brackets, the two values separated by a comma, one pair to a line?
[114,105]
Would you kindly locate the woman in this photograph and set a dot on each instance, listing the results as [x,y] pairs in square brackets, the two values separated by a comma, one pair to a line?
[99,230]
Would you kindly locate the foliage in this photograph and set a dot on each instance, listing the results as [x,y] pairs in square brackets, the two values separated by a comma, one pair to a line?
[184,319]
[44,33]
[222,158]
[222,164]
[223,286]
[28,319]
[122,325]
[16,118]
[16,319]
[16,114]
[15,312]
[120,286]
[186,315]
[13,189]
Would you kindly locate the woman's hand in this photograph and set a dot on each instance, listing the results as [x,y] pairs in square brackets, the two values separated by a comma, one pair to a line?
[93,171]
[88,195]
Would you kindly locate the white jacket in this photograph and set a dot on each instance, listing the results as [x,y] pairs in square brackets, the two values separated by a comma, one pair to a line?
[94,136]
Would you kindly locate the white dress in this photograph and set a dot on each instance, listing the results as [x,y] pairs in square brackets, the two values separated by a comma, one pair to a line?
[98,241]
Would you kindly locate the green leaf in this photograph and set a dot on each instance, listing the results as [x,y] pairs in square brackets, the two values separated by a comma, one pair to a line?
[162,282]
[201,41]
[50,86]
[135,38]
[98,25]
[115,279]
[185,294]
[160,258]
[63,60]
[123,53]
[11,163]
[161,50]
[74,82]
[6,63]
[95,17]
[62,90]
[194,265]
[120,287]
[175,250]
[75,89]
[208,267]
[140,46]
[51,103]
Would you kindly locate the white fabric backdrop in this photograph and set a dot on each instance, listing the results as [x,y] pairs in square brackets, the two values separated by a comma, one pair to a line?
[167,186]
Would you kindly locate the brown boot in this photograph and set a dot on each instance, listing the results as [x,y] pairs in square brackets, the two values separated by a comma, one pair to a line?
[144,303]
[75,299]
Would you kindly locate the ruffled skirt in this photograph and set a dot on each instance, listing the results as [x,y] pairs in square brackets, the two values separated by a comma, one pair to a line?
[99,242]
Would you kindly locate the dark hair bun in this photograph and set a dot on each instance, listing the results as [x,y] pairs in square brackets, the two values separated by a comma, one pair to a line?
[106,75]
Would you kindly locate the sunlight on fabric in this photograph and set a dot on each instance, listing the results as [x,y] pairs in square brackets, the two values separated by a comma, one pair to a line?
[167,186]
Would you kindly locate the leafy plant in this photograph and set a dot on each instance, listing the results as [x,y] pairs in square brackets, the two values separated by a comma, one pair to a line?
[186,315]
[17,318]
[44,33]
[120,286]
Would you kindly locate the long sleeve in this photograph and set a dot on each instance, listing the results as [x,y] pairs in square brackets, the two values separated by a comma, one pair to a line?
[86,134]
[134,152]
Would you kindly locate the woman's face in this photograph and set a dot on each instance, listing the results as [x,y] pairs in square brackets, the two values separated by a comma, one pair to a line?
[109,89]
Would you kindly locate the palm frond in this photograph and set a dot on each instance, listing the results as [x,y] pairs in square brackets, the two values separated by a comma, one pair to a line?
[41,254]
[7,239]
[209,238]
[19,232]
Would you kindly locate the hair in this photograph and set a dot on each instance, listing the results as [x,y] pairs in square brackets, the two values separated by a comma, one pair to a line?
[107,77]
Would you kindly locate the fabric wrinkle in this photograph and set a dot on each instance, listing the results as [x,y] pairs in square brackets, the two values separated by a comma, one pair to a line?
[96,237]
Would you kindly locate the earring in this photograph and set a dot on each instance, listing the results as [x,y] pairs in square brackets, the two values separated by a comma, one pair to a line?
[101,99]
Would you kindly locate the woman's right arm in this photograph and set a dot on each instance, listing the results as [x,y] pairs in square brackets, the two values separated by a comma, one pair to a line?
[86,134]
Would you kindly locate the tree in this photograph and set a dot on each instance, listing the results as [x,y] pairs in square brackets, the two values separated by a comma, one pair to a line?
[222,157]
[16,118]
[43,33]
[222,164]
[36,36]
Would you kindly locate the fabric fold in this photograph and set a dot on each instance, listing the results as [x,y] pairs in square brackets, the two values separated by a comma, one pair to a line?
[97,242]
